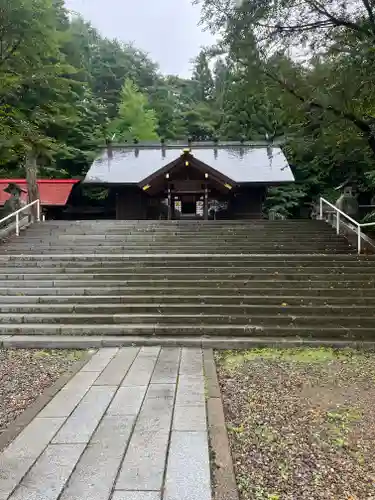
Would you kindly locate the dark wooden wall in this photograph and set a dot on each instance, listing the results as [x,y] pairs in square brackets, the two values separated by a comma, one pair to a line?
[247,202]
[133,204]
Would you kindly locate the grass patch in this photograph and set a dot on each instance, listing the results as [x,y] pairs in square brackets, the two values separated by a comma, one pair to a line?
[300,422]
[234,359]
[69,355]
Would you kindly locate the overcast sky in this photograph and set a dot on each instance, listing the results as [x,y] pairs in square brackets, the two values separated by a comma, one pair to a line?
[167,29]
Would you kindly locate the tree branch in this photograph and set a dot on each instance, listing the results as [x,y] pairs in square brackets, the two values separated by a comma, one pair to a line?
[306,27]
[10,52]
[361,124]
[336,21]
[370,12]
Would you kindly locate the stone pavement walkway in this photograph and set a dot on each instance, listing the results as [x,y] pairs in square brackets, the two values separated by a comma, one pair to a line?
[131,425]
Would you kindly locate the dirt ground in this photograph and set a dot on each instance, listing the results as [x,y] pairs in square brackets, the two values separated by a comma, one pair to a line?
[301,422]
[25,374]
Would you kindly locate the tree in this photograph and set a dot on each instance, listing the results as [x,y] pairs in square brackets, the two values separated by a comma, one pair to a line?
[338,32]
[165,100]
[32,76]
[202,78]
[135,119]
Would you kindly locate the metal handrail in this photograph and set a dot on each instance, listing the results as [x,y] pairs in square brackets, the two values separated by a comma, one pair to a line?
[17,213]
[340,213]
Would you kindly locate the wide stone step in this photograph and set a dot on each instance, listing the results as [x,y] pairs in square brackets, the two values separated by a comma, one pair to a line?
[64,272]
[193,224]
[175,243]
[108,238]
[176,233]
[247,233]
[204,233]
[220,249]
[196,299]
[201,331]
[281,310]
[104,276]
[248,262]
[198,318]
[187,259]
[176,282]
[213,251]
[207,342]
[186,290]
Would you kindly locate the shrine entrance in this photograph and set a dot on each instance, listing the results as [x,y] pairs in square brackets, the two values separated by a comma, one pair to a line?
[186,186]
[188,206]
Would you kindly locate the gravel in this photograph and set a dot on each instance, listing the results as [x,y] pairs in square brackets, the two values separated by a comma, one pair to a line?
[301,423]
[25,374]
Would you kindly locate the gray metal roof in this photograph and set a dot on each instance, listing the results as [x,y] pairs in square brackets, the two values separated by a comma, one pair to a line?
[130,165]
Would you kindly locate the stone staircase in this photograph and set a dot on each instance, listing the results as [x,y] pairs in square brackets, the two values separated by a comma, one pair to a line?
[223,283]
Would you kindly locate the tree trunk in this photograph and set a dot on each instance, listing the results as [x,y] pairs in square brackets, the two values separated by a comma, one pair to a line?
[31,168]
[371,141]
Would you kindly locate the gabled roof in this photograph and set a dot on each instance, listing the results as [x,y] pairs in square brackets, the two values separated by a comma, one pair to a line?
[194,163]
[243,163]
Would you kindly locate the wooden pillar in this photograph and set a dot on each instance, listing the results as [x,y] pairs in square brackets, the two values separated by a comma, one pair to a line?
[169,204]
[205,203]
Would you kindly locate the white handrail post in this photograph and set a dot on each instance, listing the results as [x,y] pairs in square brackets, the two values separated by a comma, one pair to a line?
[321,209]
[17,224]
[38,210]
[359,239]
[337,223]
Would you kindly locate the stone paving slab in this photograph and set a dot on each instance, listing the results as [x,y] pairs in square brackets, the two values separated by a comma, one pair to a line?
[161,391]
[167,366]
[100,360]
[35,437]
[108,433]
[192,363]
[47,478]
[136,495]
[190,418]
[155,416]
[12,470]
[96,471]
[145,461]
[80,426]
[118,367]
[128,401]
[141,370]
[190,392]
[68,398]
[188,471]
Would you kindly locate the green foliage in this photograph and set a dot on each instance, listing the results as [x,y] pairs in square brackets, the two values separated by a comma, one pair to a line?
[321,99]
[65,89]
[202,78]
[285,201]
[135,120]
[60,87]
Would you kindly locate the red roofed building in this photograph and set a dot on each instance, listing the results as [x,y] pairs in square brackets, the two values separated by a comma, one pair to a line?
[53,192]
